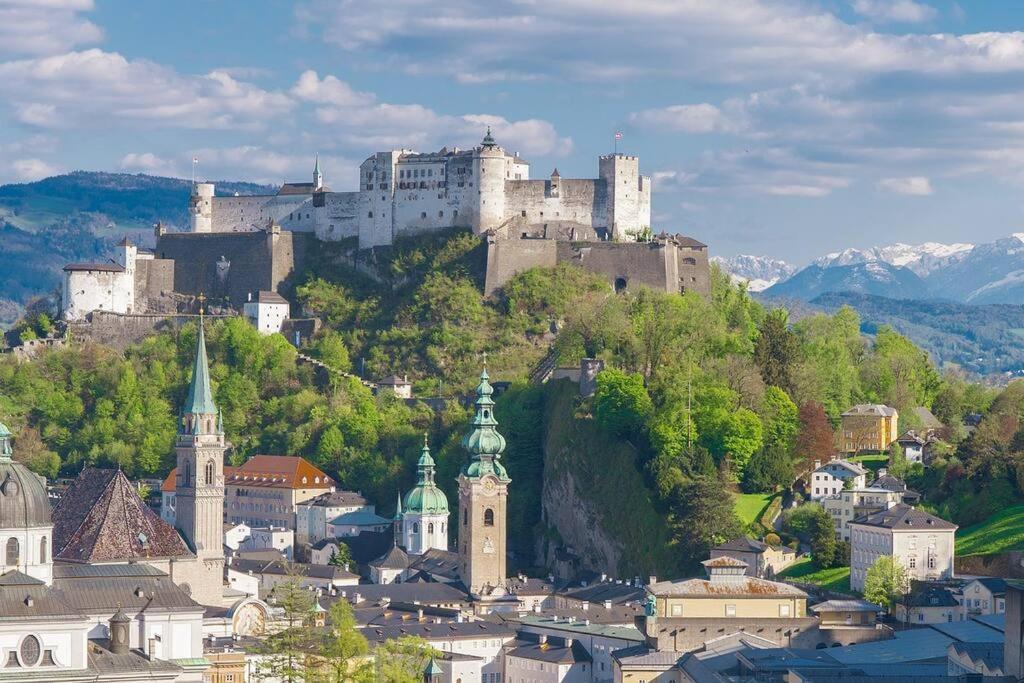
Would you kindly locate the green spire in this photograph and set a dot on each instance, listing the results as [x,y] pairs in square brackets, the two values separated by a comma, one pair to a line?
[433,668]
[484,443]
[200,398]
[398,507]
[426,498]
[488,139]
[5,443]
[316,165]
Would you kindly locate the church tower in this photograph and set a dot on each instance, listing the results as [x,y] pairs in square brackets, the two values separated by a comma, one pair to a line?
[318,177]
[483,496]
[425,517]
[199,488]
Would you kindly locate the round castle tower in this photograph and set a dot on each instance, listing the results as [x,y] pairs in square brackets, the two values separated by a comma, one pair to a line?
[489,171]
[200,208]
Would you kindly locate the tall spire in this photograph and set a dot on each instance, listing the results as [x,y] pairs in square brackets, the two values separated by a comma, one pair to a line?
[318,177]
[425,466]
[200,398]
[484,443]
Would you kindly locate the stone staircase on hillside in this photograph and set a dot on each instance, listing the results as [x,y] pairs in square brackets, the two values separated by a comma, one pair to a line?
[317,363]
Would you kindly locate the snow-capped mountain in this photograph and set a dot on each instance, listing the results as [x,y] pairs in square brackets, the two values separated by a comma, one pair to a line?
[992,272]
[759,272]
[920,258]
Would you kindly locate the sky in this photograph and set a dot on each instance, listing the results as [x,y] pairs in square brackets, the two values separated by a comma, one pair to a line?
[786,128]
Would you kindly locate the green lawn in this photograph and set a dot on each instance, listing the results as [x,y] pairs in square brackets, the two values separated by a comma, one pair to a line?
[872,462]
[748,506]
[997,534]
[837,579]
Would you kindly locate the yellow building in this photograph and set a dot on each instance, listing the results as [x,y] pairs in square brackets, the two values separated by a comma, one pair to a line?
[869,427]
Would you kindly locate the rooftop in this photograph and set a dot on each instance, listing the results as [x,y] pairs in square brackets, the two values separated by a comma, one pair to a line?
[362,517]
[268,471]
[876,409]
[845,606]
[853,467]
[554,651]
[740,587]
[109,267]
[336,499]
[265,297]
[581,627]
[443,631]
[902,517]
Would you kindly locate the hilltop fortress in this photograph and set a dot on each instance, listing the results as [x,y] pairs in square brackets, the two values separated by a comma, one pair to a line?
[237,246]
[401,192]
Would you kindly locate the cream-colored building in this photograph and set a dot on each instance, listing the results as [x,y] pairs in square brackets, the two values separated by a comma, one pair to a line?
[850,504]
[728,593]
[763,560]
[921,542]
[868,427]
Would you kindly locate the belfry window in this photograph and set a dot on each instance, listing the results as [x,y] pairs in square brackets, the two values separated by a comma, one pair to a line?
[13,552]
[210,472]
[488,517]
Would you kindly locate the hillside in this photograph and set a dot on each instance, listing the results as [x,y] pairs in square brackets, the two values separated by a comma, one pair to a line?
[998,534]
[984,339]
[79,217]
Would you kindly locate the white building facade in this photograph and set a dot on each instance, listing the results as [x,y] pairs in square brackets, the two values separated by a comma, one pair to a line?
[832,477]
[921,542]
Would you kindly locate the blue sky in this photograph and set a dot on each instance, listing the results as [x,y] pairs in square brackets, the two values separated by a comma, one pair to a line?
[780,127]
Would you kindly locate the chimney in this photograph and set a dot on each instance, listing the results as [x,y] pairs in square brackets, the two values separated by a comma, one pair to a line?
[604,577]
[119,632]
[458,619]
[568,642]
[542,639]
[652,579]
[419,614]
[607,604]
[358,598]
[585,606]
[151,649]
[250,296]
[817,463]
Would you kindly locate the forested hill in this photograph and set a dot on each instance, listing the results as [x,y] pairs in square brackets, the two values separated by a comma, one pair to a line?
[984,339]
[79,217]
[702,396]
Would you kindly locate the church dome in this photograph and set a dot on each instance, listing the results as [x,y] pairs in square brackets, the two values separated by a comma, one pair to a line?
[23,499]
[426,498]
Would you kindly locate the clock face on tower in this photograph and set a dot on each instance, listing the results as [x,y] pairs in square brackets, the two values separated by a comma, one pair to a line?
[489,486]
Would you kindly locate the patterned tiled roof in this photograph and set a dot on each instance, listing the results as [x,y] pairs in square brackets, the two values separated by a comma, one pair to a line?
[101,518]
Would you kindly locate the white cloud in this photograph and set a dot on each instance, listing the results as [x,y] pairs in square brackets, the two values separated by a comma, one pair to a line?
[898,11]
[685,118]
[42,27]
[147,162]
[94,88]
[917,186]
[363,121]
[28,170]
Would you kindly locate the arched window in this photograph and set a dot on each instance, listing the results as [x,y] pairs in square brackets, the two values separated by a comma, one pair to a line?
[210,470]
[430,528]
[415,527]
[13,551]
[188,474]
[42,550]
[488,517]
[465,517]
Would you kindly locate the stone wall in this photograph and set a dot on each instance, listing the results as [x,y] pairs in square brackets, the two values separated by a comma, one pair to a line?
[666,265]
[231,265]
[252,212]
[89,290]
[154,284]
[121,330]
[533,202]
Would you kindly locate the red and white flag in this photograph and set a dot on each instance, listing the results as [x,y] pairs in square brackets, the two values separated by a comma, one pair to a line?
[195,160]
[618,135]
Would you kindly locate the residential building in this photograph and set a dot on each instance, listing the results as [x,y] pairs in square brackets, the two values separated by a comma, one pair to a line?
[390,567]
[763,561]
[267,311]
[913,446]
[929,603]
[886,481]
[485,640]
[984,595]
[868,427]
[399,386]
[312,516]
[274,572]
[851,612]
[848,505]
[235,534]
[350,524]
[834,476]
[271,538]
[544,659]
[921,542]
[598,640]
[264,491]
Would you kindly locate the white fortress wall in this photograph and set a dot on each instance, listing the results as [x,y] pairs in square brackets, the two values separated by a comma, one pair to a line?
[339,216]
[250,213]
[95,290]
[577,201]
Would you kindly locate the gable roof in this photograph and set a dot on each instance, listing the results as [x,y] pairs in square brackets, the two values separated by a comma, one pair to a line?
[268,471]
[361,517]
[109,267]
[995,585]
[852,467]
[395,558]
[101,518]
[743,544]
[336,499]
[742,587]
[927,418]
[902,517]
[876,409]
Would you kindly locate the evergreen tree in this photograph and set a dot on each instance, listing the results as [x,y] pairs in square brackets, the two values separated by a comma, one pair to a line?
[286,652]
[344,654]
[341,557]
[776,350]
[769,469]
[823,540]
[703,515]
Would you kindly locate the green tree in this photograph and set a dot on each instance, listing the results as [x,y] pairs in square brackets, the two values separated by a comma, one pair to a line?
[286,652]
[403,660]
[768,470]
[621,403]
[703,515]
[898,465]
[824,548]
[886,582]
[776,350]
[330,348]
[344,654]
[781,420]
[342,557]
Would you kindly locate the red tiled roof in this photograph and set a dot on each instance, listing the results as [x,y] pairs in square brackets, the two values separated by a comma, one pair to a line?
[269,471]
[101,518]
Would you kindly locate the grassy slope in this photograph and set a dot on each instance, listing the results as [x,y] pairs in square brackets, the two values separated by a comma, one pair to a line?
[804,571]
[608,480]
[749,506]
[872,462]
[999,533]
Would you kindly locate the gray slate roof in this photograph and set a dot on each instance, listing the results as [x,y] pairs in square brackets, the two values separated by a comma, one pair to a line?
[902,517]
[845,606]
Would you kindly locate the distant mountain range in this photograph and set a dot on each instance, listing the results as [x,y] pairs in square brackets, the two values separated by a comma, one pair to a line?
[987,273]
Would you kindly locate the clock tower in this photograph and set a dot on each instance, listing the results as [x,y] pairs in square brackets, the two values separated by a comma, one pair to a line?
[483,497]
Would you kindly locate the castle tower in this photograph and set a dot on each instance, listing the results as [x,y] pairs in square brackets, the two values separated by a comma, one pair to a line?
[318,177]
[200,208]
[483,494]
[554,184]
[199,489]
[129,253]
[425,519]
[625,187]
[489,173]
